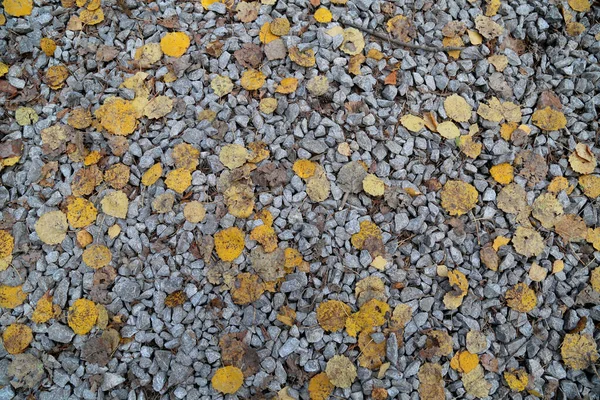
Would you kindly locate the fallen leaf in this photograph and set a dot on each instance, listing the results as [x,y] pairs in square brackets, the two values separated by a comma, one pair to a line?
[16,338]
[457,108]
[320,387]
[175,44]
[579,351]
[458,197]
[227,379]
[229,243]
[521,298]
[82,316]
[341,371]
[52,227]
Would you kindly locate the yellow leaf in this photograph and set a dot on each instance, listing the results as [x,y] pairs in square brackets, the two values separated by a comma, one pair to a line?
[16,338]
[453,42]
[557,266]
[194,212]
[48,46]
[375,54]
[247,289]
[323,15]
[549,119]
[228,379]
[448,130]
[412,122]
[26,116]
[82,316]
[52,227]
[80,118]
[502,173]
[114,231]
[521,298]
[320,387]
[354,41]
[371,353]
[464,361]
[11,296]
[158,107]
[152,175]
[7,244]
[370,315]
[148,54]
[2,23]
[355,63]
[373,185]
[537,273]
[91,17]
[332,315]
[266,236]
[590,185]
[458,197]
[580,5]
[474,37]
[304,168]
[259,151]
[499,242]
[287,86]
[229,243]
[579,351]
[487,27]
[221,85]
[45,310]
[507,129]
[367,230]
[492,7]
[575,28]
[175,299]
[268,105]
[476,342]
[304,58]
[96,256]
[80,212]
[286,316]
[175,44]
[18,8]
[280,26]
[341,371]
[457,108]
[233,155]
[117,176]
[593,237]
[466,144]
[517,379]
[499,61]
[117,116]
[3,69]
[179,180]
[401,27]
[84,238]
[546,209]
[265,34]
[252,79]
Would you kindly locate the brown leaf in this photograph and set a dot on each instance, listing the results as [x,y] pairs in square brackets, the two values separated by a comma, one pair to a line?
[171,22]
[249,56]
[533,166]
[7,88]
[489,257]
[549,99]
[11,148]
[391,79]
[489,362]
[215,48]
[97,350]
[107,53]
[270,175]
[238,354]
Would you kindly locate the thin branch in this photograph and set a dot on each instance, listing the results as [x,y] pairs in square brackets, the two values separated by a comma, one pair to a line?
[400,43]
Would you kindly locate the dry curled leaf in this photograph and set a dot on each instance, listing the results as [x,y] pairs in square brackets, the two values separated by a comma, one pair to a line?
[582,160]
[517,379]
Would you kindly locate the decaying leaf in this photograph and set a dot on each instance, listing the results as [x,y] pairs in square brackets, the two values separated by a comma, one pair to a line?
[158,107]
[175,299]
[367,230]
[468,146]
[517,379]
[239,199]
[579,351]
[228,379]
[570,227]
[521,298]
[234,351]
[487,27]
[318,85]
[320,387]
[549,119]
[475,383]
[247,289]
[528,242]
[431,382]
[341,371]
[16,338]
[546,209]
[370,315]
[489,256]
[233,155]
[318,186]
[332,315]
[460,286]
[533,166]
[26,371]
[353,43]
[373,185]
[458,197]
[115,204]
[351,176]
[287,316]
[402,28]
[269,266]
[438,344]
[590,185]
[221,84]
[476,342]
[372,353]
[148,54]
[512,199]
[82,316]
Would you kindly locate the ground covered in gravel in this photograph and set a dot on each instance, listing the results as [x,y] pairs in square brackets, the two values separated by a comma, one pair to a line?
[299,199]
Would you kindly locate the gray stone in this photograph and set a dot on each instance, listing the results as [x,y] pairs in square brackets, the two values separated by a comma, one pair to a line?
[60,333]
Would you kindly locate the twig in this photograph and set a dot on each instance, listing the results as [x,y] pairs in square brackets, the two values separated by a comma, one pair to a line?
[400,43]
